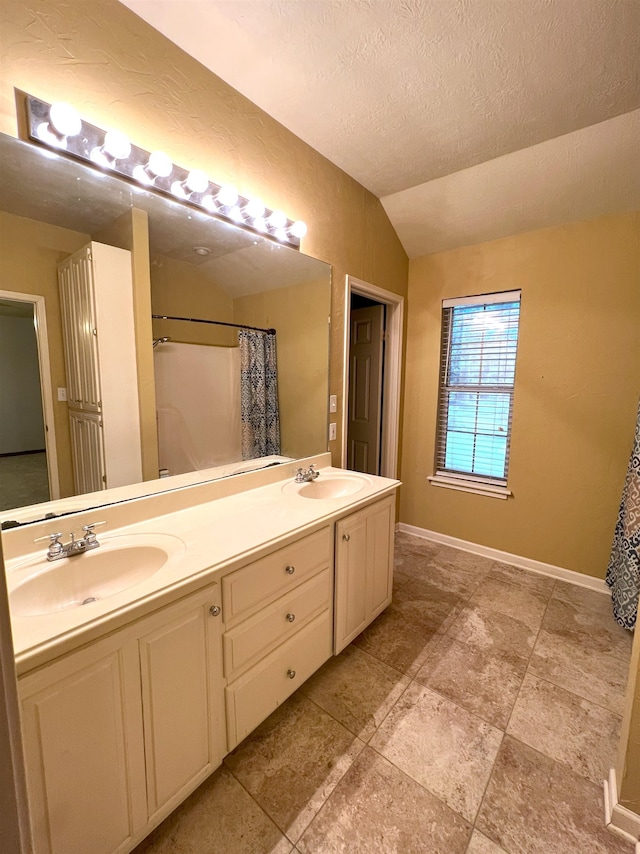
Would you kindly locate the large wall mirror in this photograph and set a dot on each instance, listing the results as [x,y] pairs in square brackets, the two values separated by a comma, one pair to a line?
[185,264]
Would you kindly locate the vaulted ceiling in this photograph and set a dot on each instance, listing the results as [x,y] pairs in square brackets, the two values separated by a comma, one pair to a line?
[470,119]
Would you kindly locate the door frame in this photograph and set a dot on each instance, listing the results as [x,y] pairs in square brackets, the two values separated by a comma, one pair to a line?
[392,370]
[46,390]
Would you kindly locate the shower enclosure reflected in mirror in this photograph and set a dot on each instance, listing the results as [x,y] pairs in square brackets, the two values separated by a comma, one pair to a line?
[184,264]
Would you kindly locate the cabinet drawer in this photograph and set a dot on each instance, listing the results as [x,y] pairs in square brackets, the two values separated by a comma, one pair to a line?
[257,636]
[262,581]
[252,697]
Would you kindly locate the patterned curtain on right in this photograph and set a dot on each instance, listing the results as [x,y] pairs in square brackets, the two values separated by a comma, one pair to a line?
[260,414]
[623,572]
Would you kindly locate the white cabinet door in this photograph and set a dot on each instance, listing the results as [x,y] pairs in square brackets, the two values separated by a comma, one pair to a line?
[82,724]
[89,473]
[120,732]
[77,306]
[182,698]
[364,569]
[96,302]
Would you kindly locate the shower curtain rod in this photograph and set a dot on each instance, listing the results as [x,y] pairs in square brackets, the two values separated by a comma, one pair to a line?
[214,322]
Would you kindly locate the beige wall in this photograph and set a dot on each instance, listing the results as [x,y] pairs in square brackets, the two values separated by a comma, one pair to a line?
[577,384]
[29,254]
[182,289]
[119,71]
[302,359]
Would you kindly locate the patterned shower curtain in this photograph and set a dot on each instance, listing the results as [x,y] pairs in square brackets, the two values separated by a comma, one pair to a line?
[623,572]
[259,390]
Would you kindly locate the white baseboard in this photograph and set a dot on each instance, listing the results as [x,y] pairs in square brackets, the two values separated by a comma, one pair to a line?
[618,819]
[538,566]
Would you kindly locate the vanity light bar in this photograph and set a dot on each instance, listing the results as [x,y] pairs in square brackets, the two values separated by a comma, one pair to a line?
[59,127]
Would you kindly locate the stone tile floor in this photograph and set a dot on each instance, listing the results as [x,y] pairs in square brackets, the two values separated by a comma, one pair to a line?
[480,713]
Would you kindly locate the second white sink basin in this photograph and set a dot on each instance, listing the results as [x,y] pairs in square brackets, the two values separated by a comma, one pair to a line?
[328,486]
[119,563]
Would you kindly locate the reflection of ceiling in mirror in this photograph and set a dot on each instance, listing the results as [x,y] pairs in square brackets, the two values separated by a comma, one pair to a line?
[83,199]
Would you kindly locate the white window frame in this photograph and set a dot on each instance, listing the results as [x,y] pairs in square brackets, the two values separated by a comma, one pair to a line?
[491,487]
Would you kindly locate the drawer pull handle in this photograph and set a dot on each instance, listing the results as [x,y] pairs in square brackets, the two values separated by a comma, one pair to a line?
[291,674]
[346,537]
[214,610]
[290,570]
[290,618]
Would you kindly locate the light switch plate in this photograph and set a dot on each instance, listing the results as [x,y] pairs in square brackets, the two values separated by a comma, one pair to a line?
[332,432]
[62,394]
[333,403]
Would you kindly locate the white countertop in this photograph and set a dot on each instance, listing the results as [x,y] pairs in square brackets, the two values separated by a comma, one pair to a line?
[218,535]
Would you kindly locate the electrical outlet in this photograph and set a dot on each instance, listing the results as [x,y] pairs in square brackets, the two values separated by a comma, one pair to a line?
[332,432]
[333,403]
[62,394]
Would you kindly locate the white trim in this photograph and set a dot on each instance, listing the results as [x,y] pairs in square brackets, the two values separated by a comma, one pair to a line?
[40,319]
[618,819]
[464,485]
[558,572]
[392,370]
[482,299]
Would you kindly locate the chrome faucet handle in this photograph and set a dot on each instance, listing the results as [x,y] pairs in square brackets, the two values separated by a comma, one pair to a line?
[88,529]
[52,538]
[299,476]
[55,546]
[89,533]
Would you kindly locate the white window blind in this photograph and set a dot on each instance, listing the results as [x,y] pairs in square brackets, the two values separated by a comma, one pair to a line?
[477,375]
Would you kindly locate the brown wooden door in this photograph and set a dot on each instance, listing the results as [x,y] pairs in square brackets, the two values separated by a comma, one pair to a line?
[365,388]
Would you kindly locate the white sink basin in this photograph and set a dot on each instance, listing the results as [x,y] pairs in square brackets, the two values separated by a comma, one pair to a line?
[328,486]
[119,563]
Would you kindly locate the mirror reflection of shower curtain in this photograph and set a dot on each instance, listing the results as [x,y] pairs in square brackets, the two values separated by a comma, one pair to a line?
[198,405]
[259,394]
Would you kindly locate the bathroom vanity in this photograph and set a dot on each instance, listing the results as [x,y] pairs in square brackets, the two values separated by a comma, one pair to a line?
[133,699]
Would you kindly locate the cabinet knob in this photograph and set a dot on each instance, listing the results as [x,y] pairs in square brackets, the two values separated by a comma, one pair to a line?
[290,618]
[214,610]
[346,537]
[290,570]
[291,674]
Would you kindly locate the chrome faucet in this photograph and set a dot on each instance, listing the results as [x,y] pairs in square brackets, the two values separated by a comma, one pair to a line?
[303,476]
[58,550]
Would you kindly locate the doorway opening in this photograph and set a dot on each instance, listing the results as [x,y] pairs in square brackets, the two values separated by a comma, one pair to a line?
[28,460]
[371,379]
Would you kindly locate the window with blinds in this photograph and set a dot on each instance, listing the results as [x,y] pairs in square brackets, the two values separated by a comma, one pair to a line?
[477,374]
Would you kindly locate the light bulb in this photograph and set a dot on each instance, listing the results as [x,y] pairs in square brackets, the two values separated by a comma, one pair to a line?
[281,234]
[236,214]
[254,208]
[277,219]
[64,121]
[196,181]
[259,223]
[159,165]
[298,229]
[227,196]
[116,146]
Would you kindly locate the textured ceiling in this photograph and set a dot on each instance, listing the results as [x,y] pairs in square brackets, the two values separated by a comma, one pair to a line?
[399,93]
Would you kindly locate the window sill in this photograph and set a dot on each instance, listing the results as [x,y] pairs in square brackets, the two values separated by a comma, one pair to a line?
[470,486]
